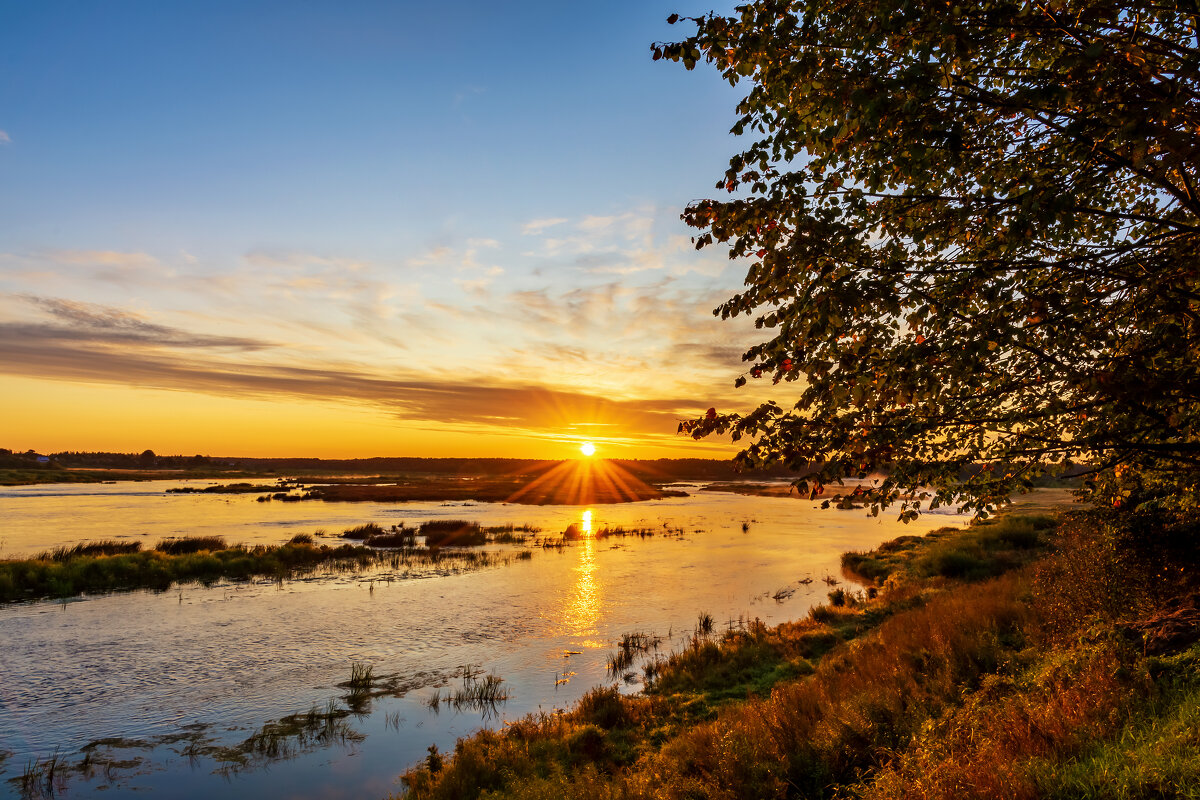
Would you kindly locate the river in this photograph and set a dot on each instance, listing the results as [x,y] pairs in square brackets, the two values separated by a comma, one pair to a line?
[159,683]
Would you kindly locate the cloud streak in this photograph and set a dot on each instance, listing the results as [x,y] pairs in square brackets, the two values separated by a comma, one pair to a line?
[443,401]
[535,226]
[96,324]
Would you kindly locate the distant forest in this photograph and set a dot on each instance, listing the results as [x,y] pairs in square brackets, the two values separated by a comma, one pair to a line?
[655,470]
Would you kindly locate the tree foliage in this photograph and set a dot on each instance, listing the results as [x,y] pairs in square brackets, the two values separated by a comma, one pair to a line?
[973,230]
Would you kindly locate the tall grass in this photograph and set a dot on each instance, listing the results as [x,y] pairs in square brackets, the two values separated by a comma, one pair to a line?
[191,544]
[107,547]
[363,531]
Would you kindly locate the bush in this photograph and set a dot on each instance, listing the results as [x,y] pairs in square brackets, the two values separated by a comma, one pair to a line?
[603,707]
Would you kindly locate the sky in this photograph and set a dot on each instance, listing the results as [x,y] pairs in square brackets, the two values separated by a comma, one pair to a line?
[347,229]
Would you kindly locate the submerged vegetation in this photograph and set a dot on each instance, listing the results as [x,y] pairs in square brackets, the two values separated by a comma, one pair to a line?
[1017,658]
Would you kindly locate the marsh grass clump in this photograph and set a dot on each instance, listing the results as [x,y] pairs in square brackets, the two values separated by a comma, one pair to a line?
[302,539]
[629,647]
[363,531]
[362,676]
[510,533]
[620,531]
[44,777]
[191,544]
[73,574]
[398,536]
[452,533]
[477,692]
[107,547]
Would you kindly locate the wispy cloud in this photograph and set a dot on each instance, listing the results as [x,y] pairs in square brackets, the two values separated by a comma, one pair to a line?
[105,258]
[627,243]
[89,323]
[293,260]
[535,226]
[5,138]
[438,400]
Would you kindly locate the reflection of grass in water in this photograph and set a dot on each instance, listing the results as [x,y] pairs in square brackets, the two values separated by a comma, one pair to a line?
[630,646]
[291,736]
[575,532]
[476,694]
[43,777]
[285,738]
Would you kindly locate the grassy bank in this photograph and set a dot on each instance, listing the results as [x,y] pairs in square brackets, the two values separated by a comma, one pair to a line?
[100,567]
[1028,657]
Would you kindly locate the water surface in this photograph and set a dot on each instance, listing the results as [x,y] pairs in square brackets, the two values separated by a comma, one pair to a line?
[227,659]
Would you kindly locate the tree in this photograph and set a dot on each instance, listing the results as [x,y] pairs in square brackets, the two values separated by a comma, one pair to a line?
[973,229]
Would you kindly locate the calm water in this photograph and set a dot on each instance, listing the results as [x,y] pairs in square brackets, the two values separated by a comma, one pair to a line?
[223,661]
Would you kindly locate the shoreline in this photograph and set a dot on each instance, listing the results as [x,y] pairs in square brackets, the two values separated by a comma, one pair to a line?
[907,689]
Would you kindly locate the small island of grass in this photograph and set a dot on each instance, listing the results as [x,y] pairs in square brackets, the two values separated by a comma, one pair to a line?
[109,566]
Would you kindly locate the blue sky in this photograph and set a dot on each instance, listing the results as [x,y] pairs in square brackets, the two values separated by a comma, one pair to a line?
[350,191]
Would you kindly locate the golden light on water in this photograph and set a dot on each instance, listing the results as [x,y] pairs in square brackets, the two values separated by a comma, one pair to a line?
[587,448]
[583,609]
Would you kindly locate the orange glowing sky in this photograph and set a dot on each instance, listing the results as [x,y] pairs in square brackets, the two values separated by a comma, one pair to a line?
[325,231]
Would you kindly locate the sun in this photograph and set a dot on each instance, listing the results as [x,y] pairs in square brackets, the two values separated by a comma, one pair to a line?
[587,448]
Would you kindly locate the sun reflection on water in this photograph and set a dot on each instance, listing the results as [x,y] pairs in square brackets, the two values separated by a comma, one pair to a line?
[583,609]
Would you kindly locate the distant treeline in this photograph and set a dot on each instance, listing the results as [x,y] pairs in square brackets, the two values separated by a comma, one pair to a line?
[650,470]
[147,459]
[654,471]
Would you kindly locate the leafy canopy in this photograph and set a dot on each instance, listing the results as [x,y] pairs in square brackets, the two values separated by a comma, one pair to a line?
[973,229]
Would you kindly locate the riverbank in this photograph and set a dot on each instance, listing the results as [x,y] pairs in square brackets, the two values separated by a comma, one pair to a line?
[1036,656]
